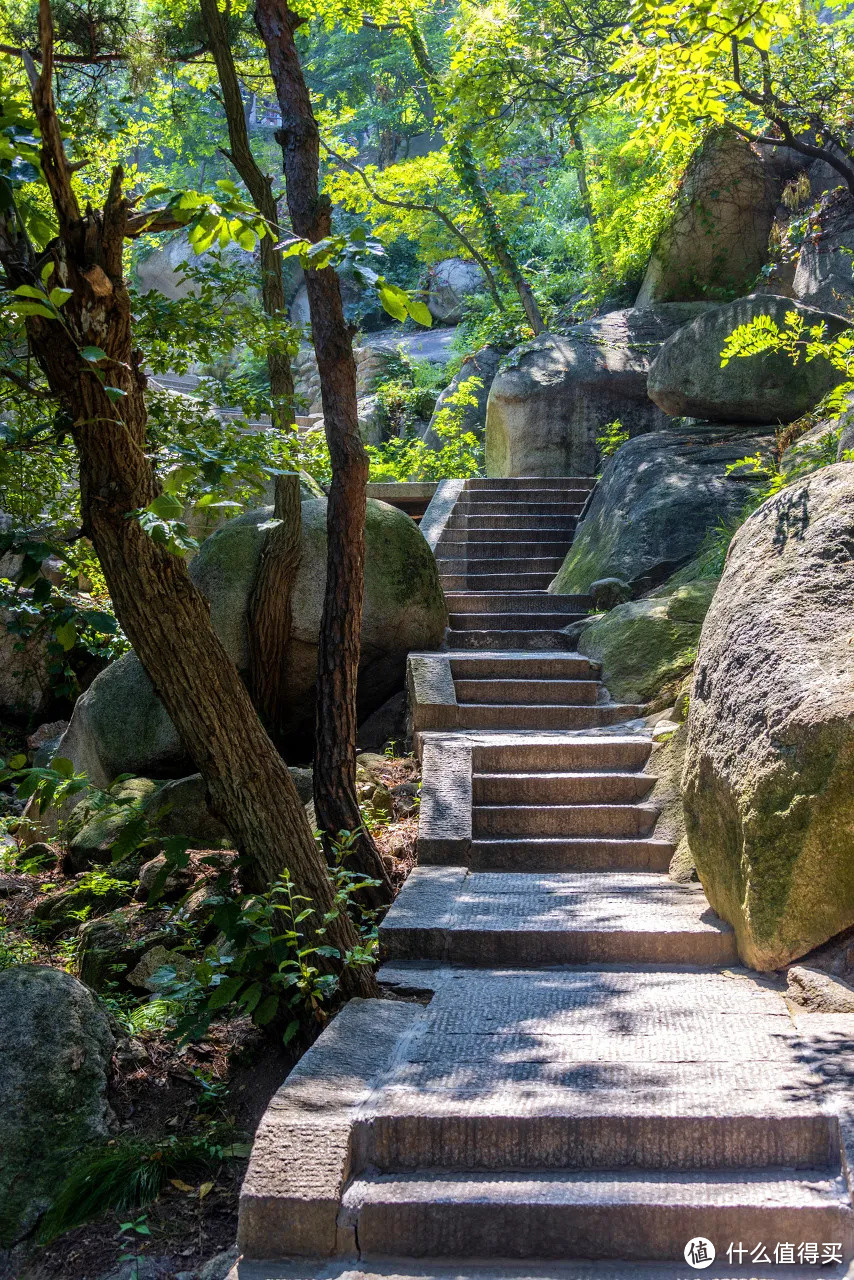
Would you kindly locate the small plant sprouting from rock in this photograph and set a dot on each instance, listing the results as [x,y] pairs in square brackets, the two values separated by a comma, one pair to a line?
[611,437]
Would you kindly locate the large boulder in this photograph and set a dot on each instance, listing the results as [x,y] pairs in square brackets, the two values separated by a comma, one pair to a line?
[55,1050]
[119,725]
[769,805]
[552,396]
[647,647]
[686,375]
[450,283]
[825,272]
[657,499]
[717,239]
[482,365]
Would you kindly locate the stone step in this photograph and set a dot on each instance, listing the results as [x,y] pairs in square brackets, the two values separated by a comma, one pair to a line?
[474,715]
[508,620]
[409,1269]
[515,602]
[625,1214]
[483,537]
[538,564]
[514,483]
[521,552]
[527,692]
[504,524]
[561,788]
[522,665]
[480,640]
[579,854]
[495,583]
[563,820]
[535,506]
[454,916]
[570,754]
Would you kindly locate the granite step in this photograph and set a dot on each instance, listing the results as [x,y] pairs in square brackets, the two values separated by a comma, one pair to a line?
[527,692]
[497,583]
[409,1269]
[559,522]
[474,715]
[515,755]
[539,565]
[561,788]
[617,1214]
[455,916]
[515,602]
[520,552]
[483,640]
[576,854]
[512,484]
[523,666]
[545,819]
[535,506]
[507,619]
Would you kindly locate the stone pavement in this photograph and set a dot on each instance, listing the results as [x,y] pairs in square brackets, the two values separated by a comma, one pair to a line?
[571,1077]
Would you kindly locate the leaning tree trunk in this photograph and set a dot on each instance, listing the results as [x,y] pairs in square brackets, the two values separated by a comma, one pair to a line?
[165,617]
[335,801]
[260,188]
[269,616]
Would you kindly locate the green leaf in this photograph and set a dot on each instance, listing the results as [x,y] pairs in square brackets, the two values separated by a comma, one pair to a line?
[225,992]
[93,354]
[18,762]
[391,302]
[60,296]
[114,394]
[166,507]
[66,634]
[266,1011]
[62,766]
[420,313]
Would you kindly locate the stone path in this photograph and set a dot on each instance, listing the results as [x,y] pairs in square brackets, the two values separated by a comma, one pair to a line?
[575,1077]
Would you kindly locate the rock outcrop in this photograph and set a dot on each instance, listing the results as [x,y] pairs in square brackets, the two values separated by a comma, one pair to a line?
[717,240]
[483,365]
[658,498]
[450,283]
[55,1050]
[119,725]
[686,375]
[769,805]
[552,396]
[825,272]
[647,647]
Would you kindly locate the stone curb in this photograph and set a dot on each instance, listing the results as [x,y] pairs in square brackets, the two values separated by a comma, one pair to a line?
[438,512]
[445,819]
[302,1155]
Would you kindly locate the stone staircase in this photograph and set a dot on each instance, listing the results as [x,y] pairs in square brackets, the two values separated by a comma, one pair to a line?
[500,549]
[575,1078]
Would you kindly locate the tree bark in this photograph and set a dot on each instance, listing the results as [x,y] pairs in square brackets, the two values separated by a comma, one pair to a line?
[269,616]
[165,617]
[335,801]
[260,188]
[584,192]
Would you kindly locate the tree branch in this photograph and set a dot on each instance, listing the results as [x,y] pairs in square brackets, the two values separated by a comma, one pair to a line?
[53,158]
[413,206]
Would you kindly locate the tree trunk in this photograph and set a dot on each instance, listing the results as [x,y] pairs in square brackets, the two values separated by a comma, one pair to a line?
[335,801]
[269,615]
[165,617]
[260,188]
[584,192]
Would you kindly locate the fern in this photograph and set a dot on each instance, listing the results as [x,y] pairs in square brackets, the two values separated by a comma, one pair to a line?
[123,1175]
